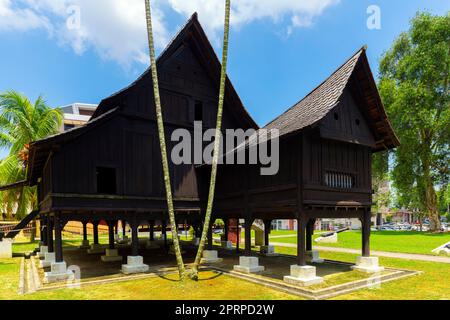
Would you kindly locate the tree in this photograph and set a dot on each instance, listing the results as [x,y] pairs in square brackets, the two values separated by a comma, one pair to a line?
[162,143]
[22,122]
[414,86]
[215,161]
[380,182]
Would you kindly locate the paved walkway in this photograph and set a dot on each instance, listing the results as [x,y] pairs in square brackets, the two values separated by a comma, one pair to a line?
[398,255]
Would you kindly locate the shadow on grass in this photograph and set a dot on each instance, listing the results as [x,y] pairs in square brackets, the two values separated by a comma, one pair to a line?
[215,276]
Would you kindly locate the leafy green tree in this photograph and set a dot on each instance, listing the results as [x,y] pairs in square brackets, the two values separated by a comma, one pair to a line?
[414,87]
[380,182]
[162,143]
[22,122]
[215,161]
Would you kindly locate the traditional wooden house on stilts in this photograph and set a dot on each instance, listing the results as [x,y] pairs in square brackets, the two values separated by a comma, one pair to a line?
[110,169]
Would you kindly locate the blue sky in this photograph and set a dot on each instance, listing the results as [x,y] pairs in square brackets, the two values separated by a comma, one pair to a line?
[279,50]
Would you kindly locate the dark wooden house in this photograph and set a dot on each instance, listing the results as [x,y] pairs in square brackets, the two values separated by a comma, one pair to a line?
[110,169]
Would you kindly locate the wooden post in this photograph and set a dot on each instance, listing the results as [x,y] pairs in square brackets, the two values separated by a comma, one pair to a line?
[85,230]
[238,235]
[44,223]
[366,221]
[124,228]
[267,224]
[248,236]
[95,226]
[58,238]
[50,235]
[210,236]
[164,232]
[309,234]
[225,229]
[111,234]
[134,238]
[152,230]
[301,243]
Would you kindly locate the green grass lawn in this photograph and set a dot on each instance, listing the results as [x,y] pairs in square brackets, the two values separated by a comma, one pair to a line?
[211,286]
[392,241]
[432,284]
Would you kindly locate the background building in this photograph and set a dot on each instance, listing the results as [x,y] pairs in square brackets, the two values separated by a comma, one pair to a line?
[76,115]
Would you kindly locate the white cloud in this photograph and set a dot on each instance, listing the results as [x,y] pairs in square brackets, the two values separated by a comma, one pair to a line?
[115,29]
[20,18]
[300,12]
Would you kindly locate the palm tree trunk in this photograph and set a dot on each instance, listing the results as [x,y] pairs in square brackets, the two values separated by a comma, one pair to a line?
[212,186]
[162,142]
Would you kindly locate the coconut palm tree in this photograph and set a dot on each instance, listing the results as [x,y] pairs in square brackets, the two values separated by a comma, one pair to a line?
[22,122]
[212,186]
[162,143]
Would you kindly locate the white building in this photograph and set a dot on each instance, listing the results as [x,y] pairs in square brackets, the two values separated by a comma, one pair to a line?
[77,114]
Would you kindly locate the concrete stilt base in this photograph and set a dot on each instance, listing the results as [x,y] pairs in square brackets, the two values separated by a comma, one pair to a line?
[268,251]
[368,265]
[211,256]
[85,244]
[42,251]
[6,248]
[111,255]
[48,260]
[96,249]
[135,264]
[313,257]
[227,245]
[58,272]
[152,245]
[303,276]
[248,265]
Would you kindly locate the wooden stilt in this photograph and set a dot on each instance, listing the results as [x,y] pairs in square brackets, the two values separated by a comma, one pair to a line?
[95,227]
[124,228]
[134,238]
[164,233]
[309,234]
[301,247]
[210,236]
[238,236]
[111,234]
[248,236]
[50,235]
[152,230]
[267,225]
[58,238]
[366,222]
[44,231]
[85,236]
[225,229]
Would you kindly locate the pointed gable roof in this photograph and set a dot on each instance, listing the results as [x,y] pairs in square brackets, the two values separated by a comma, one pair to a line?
[324,98]
[191,33]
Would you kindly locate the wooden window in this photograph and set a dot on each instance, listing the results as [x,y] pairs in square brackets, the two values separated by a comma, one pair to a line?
[339,180]
[106,180]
